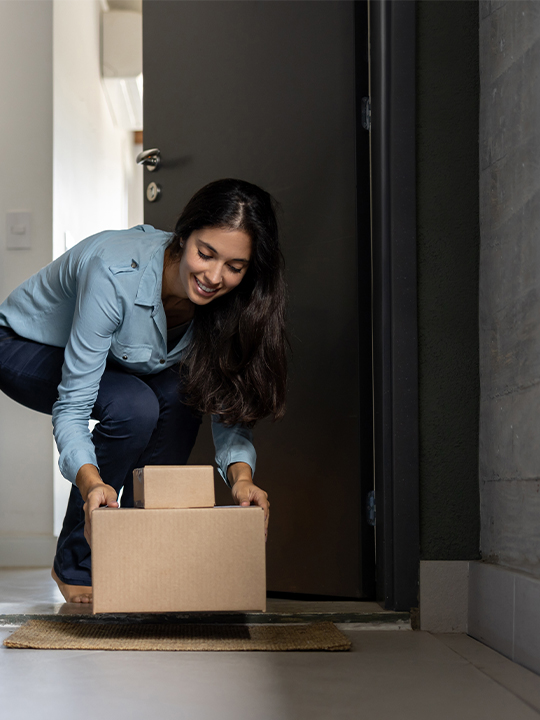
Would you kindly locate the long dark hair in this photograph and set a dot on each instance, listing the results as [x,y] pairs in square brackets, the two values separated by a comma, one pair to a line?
[236,366]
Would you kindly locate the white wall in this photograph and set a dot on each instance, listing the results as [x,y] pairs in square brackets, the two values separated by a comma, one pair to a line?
[90,185]
[63,160]
[26,131]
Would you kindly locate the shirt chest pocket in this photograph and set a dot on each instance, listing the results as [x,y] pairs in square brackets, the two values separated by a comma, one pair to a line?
[131,355]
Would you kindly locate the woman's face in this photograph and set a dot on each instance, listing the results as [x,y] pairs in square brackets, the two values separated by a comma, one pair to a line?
[213,263]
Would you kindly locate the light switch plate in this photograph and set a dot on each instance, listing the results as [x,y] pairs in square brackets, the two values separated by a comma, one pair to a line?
[18,231]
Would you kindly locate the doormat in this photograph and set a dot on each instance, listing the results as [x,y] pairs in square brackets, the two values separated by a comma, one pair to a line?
[54,635]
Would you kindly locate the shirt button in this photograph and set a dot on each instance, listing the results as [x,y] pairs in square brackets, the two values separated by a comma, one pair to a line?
[134,264]
[124,357]
[162,361]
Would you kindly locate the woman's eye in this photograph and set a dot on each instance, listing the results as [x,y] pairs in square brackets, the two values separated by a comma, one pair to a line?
[234,269]
[204,257]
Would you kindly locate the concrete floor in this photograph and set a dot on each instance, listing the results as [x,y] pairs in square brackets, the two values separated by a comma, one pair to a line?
[389,674]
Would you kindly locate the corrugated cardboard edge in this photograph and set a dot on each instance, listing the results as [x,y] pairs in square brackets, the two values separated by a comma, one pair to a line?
[138,488]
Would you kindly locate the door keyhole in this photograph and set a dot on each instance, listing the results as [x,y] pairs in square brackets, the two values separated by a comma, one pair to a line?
[153,191]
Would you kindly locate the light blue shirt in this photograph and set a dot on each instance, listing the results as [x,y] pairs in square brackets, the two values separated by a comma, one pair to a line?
[102,300]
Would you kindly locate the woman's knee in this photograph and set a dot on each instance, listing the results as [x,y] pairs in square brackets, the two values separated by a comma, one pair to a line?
[129,412]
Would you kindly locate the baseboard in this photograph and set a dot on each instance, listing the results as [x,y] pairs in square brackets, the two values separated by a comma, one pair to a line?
[504,612]
[444,595]
[27,550]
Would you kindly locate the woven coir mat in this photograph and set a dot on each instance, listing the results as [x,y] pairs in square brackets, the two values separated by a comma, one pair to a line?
[55,635]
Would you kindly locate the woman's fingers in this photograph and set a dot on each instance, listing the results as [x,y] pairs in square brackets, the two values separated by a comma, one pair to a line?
[97,497]
[246,493]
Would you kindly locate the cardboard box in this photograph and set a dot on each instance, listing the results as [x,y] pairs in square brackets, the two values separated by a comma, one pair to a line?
[203,559]
[174,486]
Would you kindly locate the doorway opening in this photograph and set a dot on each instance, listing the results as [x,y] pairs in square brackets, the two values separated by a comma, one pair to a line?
[97,133]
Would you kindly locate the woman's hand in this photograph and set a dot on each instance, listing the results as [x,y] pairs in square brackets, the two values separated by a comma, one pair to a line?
[245,493]
[95,493]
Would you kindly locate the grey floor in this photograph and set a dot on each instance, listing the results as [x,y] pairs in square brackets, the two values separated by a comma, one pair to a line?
[392,673]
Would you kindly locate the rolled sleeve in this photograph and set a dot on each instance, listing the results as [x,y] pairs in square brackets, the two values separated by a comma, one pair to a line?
[233,444]
[97,315]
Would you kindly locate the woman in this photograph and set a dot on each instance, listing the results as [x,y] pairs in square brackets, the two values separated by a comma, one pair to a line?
[145,331]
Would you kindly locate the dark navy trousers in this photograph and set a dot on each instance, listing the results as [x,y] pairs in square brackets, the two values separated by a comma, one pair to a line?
[141,421]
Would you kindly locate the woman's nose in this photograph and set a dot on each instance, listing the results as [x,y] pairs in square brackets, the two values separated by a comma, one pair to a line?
[214,275]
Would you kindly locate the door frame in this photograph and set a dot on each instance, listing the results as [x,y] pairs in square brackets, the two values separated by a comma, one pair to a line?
[392,28]
[367,569]
[387,302]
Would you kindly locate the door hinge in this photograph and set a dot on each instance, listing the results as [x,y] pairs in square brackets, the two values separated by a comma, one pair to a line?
[371,509]
[366,113]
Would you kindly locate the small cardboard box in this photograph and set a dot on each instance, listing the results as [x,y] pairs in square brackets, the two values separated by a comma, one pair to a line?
[174,486]
[203,559]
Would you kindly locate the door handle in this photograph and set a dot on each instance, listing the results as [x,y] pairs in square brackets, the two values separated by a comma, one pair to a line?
[150,158]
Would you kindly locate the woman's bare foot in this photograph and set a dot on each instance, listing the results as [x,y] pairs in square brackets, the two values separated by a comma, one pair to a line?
[73,593]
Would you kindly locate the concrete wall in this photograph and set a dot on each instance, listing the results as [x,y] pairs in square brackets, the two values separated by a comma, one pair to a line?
[26,132]
[448,246]
[510,283]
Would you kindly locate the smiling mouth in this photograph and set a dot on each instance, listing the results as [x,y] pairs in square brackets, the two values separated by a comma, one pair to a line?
[206,290]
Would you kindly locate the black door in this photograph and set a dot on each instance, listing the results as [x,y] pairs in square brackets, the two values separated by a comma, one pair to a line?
[267,92]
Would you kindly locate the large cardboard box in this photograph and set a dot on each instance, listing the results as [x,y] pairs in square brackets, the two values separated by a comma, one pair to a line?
[174,486]
[202,559]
